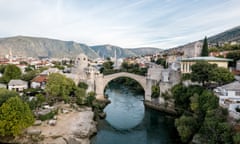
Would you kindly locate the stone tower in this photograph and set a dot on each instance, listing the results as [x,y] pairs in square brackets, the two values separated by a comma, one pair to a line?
[81,63]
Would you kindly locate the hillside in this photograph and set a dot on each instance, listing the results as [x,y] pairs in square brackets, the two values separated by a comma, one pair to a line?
[194,48]
[34,47]
[145,50]
[229,35]
[109,51]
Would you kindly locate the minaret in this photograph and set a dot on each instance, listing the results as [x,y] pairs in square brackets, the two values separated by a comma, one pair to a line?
[115,58]
[10,55]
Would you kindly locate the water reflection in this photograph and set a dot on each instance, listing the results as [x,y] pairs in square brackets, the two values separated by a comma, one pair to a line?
[128,122]
[126,111]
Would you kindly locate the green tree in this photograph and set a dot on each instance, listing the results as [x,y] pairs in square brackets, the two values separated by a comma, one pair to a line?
[6,94]
[59,87]
[80,95]
[90,98]
[221,75]
[2,68]
[40,99]
[28,76]
[205,47]
[235,56]
[107,67]
[11,72]
[236,138]
[15,115]
[83,85]
[181,98]
[215,128]
[203,102]
[155,91]
[162,61]
[201,72]
[186,127]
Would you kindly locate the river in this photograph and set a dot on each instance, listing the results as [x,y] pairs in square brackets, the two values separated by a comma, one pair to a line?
[128,121]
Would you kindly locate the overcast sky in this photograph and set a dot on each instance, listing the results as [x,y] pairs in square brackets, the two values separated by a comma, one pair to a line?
[125,23]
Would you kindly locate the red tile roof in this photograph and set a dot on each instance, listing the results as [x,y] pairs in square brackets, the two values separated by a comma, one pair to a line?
[40,78]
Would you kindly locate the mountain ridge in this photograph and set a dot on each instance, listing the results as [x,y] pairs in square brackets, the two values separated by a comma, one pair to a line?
[47,47]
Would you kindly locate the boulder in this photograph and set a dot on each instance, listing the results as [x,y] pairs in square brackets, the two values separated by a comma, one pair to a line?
[34,132]
[86,130]
[55,117]
[37,123]
[43,112]
[59,140]
[65,111]
[72,140]
[102,115]
[52,122]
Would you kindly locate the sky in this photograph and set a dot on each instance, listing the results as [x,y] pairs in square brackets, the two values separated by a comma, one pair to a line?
[125,23]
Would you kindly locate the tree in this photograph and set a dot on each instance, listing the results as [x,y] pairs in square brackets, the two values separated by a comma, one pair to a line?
[221,75]
[201,102]
[40,99]
[205,47]
[59,87]
[6,94]
[80,94]
[28,76]
[235,56]
[90,98]
[11,72]
[236,138]
[2,68]
[201,72]
[186,127]
[83,85]
[215,129]
[162,61]
[155,91]
[181,98]
[107,67]
[15,115]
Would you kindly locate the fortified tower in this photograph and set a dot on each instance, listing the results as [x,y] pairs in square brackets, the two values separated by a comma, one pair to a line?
[81,63]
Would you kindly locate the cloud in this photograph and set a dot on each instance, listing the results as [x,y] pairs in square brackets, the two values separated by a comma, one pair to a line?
[127,23]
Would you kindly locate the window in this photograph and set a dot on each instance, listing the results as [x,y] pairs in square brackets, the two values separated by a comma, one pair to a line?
[237,93]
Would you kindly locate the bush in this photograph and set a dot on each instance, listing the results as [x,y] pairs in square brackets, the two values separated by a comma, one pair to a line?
[83,85]
[155,91]
[47,116]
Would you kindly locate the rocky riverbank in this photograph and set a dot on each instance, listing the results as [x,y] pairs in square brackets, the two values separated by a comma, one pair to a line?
[72,126]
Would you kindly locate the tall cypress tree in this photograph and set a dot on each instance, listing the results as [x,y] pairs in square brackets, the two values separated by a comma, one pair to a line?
[205,47]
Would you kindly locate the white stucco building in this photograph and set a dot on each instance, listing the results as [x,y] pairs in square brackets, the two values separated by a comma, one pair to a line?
[17,85]
[229,97]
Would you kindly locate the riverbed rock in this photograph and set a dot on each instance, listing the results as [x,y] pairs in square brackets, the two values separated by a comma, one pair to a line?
[34,132]
[102,115]
[52,122]
[72,140]
[37,123]
[72,128]
[86,126]
[59,140]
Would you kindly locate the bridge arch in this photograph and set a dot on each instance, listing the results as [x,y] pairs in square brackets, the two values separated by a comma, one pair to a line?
[101,83]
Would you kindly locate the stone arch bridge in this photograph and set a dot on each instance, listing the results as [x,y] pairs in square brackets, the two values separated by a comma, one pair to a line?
[102,81]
